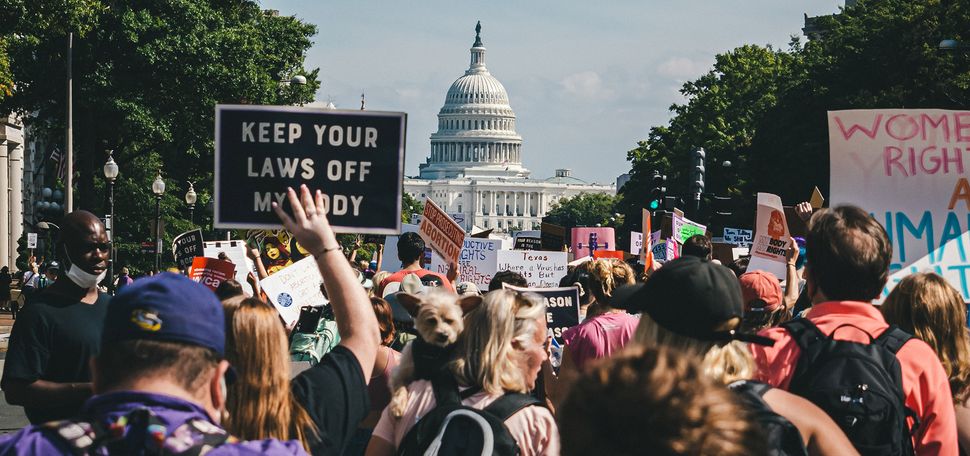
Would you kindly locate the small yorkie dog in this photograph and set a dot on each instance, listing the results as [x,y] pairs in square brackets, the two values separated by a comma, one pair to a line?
[438,321]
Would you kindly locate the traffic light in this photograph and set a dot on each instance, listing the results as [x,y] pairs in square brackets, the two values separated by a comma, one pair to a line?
[658,191]
[697,178]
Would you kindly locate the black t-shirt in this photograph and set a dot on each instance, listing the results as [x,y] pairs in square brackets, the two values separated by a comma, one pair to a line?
[52,339]
[335,396]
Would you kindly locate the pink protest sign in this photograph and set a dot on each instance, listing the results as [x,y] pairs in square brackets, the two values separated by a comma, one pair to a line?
[906,167]
[587,240]
[771,239]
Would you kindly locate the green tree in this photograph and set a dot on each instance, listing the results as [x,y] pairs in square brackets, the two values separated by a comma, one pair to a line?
[410,205]
[585,209]
[147,77]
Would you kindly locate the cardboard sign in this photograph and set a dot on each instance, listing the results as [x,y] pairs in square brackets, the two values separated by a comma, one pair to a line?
[587,240]
[210,271]
[771,243]
[356,158]
[615,254]
[236,252]
[738,237]
[908,168]
[816,200]
[636,242]
[31,240]
[646,248]
[476,263]
[684,229]
[553,237]
[540,269]
[295,286]
[562,307]
[440,232]
[187,246]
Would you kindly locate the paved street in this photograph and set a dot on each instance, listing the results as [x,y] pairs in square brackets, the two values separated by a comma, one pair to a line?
[11,417]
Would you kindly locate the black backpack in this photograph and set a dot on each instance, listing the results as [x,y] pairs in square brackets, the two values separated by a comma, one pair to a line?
[859,385]
[455,429]
[782,438]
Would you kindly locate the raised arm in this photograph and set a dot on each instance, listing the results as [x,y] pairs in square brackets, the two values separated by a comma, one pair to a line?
[352,310]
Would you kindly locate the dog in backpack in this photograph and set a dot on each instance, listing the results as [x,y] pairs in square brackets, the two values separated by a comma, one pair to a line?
[438,320]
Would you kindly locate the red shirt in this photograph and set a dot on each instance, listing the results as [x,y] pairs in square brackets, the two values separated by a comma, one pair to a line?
[925,383]
[399,275]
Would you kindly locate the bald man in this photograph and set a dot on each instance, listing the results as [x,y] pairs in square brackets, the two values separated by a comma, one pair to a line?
[59,329]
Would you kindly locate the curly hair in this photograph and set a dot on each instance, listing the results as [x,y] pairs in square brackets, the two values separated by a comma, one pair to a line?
[607,275]
[654,399]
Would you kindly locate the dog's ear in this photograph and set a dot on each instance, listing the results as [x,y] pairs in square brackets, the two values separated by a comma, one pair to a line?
[469,303]
[410,302]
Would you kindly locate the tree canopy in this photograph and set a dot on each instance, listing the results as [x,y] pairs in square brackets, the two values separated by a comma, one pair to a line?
[147,77]
[585,209]
[764,109]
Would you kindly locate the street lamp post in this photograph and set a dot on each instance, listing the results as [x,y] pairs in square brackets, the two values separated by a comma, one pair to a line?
[158,188]
[190,198]
[111,173]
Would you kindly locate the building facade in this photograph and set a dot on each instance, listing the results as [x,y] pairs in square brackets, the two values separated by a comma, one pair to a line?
[475,163]
[12,184]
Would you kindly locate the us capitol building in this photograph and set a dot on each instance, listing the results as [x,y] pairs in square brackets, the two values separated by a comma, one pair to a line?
[475,167]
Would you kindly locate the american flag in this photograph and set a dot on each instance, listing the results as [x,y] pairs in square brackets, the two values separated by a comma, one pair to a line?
[60,163]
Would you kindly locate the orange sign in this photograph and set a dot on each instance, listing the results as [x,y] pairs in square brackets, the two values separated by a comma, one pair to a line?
[441,232]
[598,254]
[211,272]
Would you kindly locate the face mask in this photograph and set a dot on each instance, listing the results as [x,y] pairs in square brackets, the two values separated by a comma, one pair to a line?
[82,278]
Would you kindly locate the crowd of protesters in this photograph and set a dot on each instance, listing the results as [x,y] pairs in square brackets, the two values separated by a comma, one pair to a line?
[688,357]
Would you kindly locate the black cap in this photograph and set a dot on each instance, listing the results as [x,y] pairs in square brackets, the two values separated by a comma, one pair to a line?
[692,297]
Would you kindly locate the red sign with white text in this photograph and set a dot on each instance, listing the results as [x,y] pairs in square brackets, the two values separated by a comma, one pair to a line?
[443,235]
[211,272]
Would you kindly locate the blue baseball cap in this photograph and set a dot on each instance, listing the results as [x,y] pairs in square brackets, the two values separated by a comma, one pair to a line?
[167,307]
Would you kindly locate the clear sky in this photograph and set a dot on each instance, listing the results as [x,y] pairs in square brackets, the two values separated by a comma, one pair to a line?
[586,79]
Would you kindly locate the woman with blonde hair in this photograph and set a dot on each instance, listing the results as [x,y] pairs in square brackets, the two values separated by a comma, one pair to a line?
[260,404]
[605,330]
[926,306]
[695,306]
[500,351]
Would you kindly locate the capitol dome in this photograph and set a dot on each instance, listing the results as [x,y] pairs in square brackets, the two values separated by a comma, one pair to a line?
[476,127]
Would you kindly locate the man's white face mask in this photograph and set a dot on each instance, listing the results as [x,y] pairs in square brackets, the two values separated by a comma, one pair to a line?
[82,278]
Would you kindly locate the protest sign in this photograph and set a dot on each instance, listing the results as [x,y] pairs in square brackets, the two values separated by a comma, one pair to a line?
[210,271]
[528,240]
[540,269]
[476,263]
[295,286]
[187,246]
[684,229]
[906,167]
[587,240]
[562,307]
[636,242]
[236,252]
[31,240]
[771,241]
[738,237]
[553,237]
[615,254]
[646,247]
[440,232]
[356,158]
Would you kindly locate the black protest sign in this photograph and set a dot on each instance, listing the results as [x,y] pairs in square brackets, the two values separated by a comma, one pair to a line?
[562,307]
[553,237]
[187,246]
[527,243]
[356,158]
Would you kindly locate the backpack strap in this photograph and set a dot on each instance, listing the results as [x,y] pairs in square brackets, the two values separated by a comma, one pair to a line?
[893,338]
[510,403]
[445,389]
[804,332]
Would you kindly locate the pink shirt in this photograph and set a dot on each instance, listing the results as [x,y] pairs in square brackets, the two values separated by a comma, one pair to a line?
[533,427]
[925,383]
[599,337]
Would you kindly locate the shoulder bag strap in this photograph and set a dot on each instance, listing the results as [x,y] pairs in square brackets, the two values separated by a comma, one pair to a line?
[804,332]
[509,404]
[893,338]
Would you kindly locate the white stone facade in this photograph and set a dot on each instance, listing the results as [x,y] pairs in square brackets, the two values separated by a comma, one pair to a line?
[475,163]
[11,183]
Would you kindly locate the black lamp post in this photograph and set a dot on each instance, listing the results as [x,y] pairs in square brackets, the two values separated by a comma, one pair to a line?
[111,173]
[158,188]
[190,199]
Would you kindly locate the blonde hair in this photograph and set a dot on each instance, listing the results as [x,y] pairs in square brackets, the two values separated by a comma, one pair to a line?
[379,277]
[926,306]
[723,362]
[607,275]
[260,402]
[486,357]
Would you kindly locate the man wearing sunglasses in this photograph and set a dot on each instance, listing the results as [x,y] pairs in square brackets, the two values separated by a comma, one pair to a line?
[46,369]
